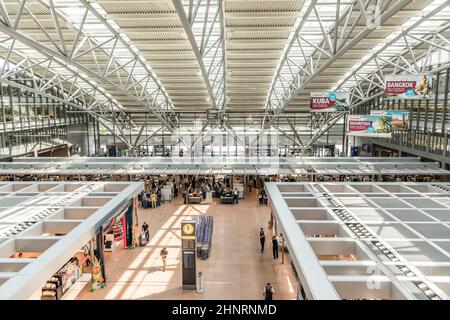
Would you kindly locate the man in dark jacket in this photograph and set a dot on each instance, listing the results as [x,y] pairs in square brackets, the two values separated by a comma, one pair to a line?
[262,239]
[275,247]
[268,292]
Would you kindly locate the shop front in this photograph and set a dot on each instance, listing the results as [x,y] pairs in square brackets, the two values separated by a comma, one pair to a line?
[89,262]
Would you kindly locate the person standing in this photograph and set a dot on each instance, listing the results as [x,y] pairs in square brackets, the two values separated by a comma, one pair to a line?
[153,200]
[281,243]
[163,255]
[281,240]
[262,239]
[158,197]
[175,190]
[146,231]
[144,200]
[236,195]
[184,196]
[260,197]
[275,247]
[186,183]
[268,292]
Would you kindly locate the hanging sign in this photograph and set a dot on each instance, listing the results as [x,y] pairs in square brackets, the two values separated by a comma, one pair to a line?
[408,86]
[329,101]
[369,126]
[400,118]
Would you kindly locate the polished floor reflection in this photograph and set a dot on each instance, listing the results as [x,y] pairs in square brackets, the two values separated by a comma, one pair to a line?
[236,268]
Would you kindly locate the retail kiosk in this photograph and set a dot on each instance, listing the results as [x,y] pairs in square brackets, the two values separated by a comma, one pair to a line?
[45,224]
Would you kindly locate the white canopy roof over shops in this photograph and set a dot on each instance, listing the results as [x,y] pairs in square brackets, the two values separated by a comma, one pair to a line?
[51,221]
[263,166]
[344,237]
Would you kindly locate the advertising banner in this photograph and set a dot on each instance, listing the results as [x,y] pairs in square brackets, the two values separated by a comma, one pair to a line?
[408,86]
[329,101]
[369,126]
[400,118]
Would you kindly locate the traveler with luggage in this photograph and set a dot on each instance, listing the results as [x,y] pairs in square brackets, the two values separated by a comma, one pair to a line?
[146,231]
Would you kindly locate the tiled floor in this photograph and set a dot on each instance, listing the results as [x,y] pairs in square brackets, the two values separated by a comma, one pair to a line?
[236,268]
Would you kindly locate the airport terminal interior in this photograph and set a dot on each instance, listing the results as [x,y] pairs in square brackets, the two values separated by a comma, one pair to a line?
[224,150]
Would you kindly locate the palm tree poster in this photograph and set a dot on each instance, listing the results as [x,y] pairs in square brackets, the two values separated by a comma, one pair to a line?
[400,118]
[369,126]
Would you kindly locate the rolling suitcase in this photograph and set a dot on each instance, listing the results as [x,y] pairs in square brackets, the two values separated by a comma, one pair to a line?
[142,240]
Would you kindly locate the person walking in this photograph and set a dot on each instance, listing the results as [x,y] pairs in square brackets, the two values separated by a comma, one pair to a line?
[268,292]
[163,255]
[236,195]
[262,239]
[146,231]
[275,247]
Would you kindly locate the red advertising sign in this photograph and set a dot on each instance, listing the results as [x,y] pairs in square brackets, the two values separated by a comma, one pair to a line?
[408,86]
[329,101]
[369,126]
[318,103]
[399,86]
[358,125]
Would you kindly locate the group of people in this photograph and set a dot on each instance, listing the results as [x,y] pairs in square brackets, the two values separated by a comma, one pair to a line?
[276,243]
[193,188]
[163,253]
[148,200]
[151,198]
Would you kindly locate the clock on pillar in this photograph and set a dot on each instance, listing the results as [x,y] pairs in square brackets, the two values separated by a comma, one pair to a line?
[188,253]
